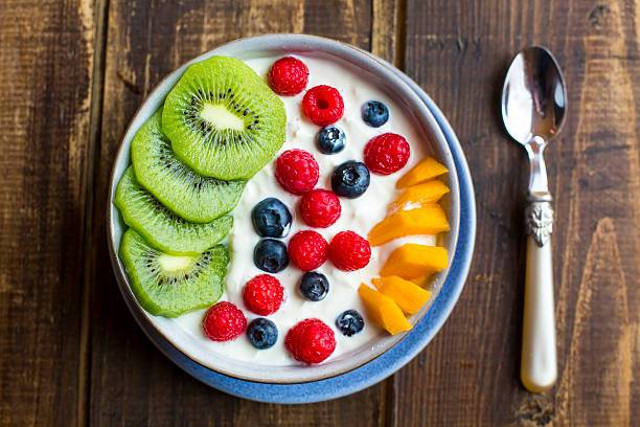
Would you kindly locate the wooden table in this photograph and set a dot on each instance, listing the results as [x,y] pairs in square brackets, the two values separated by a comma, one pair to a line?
[73,72]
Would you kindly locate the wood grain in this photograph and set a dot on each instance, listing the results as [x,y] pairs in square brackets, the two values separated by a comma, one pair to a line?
[46,65]
[45,94]
[388,31]
[131,381]
[473,363]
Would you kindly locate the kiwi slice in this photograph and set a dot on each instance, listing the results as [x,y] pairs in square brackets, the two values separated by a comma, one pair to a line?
[223,120]
[191,196]
[161,227]
[169,285]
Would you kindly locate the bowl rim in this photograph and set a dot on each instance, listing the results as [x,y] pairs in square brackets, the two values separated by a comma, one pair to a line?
[282,43]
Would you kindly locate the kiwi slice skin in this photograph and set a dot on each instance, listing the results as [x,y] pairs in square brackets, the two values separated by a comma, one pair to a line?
[223,120]
[162,228]
[191,196]
[168,285]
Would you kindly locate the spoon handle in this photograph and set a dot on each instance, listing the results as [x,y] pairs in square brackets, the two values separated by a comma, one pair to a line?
[538,369]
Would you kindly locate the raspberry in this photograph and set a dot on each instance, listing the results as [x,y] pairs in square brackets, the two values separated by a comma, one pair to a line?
[308,250]
[320,208]
[263,294]
[386,153]
[310,341]
[297,171]
[288,76]
[224,322]
[349,252]
[323,105]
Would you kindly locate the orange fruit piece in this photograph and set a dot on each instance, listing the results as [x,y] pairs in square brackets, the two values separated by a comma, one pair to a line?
[412,260]
[409,296]
[419,195]
[420,280]
[383,311]
[429,219]
[427,169]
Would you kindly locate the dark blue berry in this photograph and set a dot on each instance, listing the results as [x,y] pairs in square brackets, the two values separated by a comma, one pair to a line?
[262,333]
[270,255]
[350,322]
[314,286]
[350,179]
[271,218]
[330,140]
[375,113]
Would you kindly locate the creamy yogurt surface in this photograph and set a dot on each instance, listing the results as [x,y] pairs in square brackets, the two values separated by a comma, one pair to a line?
[358,215]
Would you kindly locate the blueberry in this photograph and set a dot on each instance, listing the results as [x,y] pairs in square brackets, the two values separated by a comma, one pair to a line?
[375,113]
[271,218]
[330,140]
[350,179]
[262,333]
[314,286]
[350,322]
[270,255]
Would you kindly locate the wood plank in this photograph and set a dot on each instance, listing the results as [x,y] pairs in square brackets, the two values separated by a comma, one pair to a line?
[46,66]
[469,374]
[348,21]
[388,31]
[132,383]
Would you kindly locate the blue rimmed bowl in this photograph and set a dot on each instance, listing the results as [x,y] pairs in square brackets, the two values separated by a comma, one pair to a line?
[297,384]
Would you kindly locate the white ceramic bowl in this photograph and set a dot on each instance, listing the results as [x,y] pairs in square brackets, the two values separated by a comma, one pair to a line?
[372,69]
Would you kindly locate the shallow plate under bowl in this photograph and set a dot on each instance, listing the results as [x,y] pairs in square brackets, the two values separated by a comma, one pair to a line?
[332,379]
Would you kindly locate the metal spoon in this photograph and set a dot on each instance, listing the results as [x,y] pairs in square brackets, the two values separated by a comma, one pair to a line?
[533,111]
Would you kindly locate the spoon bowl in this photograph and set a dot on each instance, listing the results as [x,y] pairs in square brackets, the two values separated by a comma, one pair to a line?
[534,97]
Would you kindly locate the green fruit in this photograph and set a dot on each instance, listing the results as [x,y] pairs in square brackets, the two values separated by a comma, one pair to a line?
[223,120]
[178,187]
[161,227]
[169,285]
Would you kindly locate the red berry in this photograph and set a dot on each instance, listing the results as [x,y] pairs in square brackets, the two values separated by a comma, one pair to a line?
[297,171]
[223,322]
[323,105]
[308,250]
[288,76]
[263,294]
[349,252]
[320,208]
[310,341]
[386,153]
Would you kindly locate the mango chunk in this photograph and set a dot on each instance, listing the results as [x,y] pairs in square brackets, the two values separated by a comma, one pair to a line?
[412,260]
[418,195]
[409,296]
[427,169]
[383,310]
[429,219]
[420,280]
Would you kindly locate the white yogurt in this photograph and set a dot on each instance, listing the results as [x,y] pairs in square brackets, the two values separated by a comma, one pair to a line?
[358,215]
